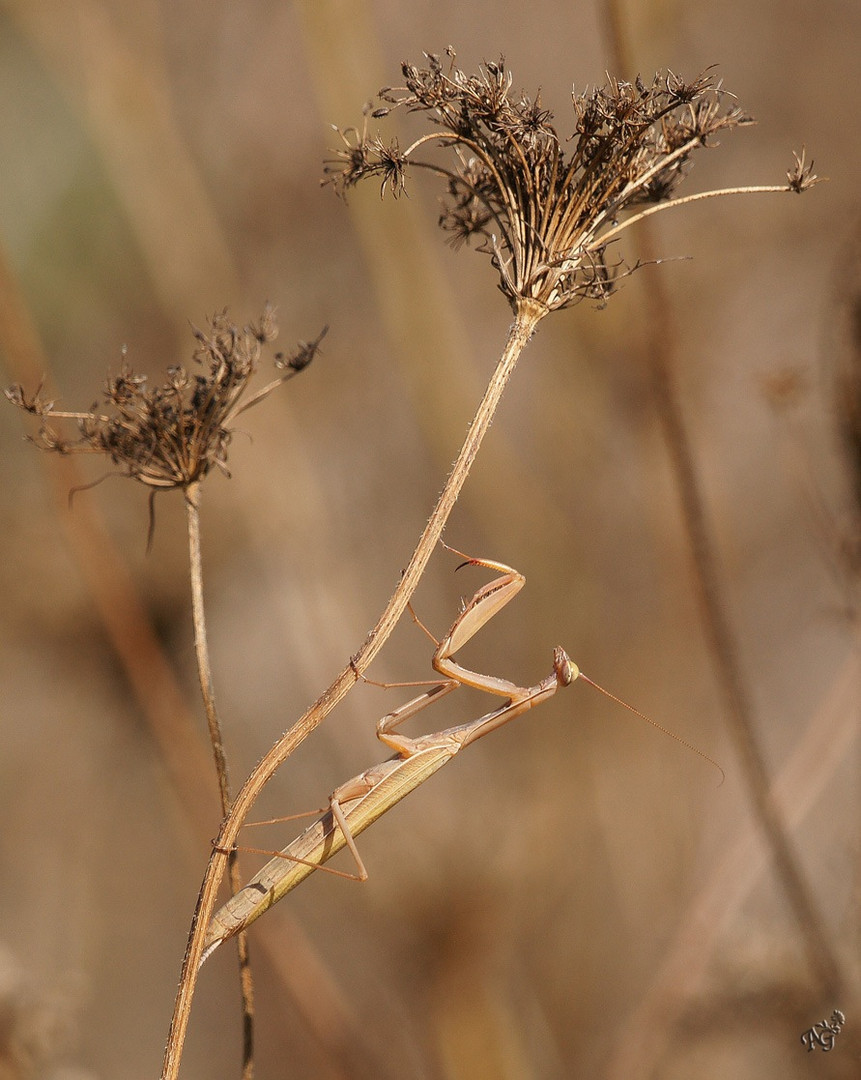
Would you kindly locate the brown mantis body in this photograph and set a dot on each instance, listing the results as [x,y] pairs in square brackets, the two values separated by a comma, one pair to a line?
[359,802]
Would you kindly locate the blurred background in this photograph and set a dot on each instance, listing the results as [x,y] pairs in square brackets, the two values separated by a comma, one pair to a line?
[577,896]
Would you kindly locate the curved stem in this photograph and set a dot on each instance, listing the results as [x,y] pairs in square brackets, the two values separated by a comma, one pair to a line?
[761,189]
[204,672]
[528,315]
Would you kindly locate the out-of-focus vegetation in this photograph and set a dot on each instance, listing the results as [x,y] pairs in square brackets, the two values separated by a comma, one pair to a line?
[575,897]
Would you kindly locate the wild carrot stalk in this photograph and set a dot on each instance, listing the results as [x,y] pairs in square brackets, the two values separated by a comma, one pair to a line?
[216,740]
[547,222]
[171,437]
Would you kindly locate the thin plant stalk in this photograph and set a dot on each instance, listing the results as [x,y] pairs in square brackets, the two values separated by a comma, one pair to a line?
[721,639]
[207,690]
[527,316]
[724,649]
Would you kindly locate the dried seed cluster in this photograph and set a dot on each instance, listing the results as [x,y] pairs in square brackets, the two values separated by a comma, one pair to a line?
[172,435]
[544,215]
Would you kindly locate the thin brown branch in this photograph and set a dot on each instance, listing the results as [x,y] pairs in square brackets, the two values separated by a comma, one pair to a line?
[216,740]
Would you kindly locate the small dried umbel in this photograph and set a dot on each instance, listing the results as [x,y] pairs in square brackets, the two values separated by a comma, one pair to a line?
[546,215]
[171,436]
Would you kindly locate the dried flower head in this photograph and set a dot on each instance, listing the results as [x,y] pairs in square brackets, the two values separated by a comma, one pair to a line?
[544,214]
[171,436]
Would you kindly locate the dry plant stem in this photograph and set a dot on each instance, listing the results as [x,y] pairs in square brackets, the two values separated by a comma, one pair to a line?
[204,671]
[686,200]
[201,644]
[724,650]
[721,639]
[661,349]
[528,315]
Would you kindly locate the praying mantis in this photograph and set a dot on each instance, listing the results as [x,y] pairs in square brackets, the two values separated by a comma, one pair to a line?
[359,802]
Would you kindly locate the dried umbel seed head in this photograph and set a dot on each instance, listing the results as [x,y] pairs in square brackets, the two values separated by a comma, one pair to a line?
[546,215]
[172,435]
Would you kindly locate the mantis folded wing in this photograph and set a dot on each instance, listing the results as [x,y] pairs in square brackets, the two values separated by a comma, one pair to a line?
[358,803]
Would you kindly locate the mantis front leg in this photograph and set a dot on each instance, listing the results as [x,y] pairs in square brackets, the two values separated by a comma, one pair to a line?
[487,602]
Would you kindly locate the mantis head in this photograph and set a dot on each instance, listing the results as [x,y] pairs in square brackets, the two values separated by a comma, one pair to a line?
[564,667]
